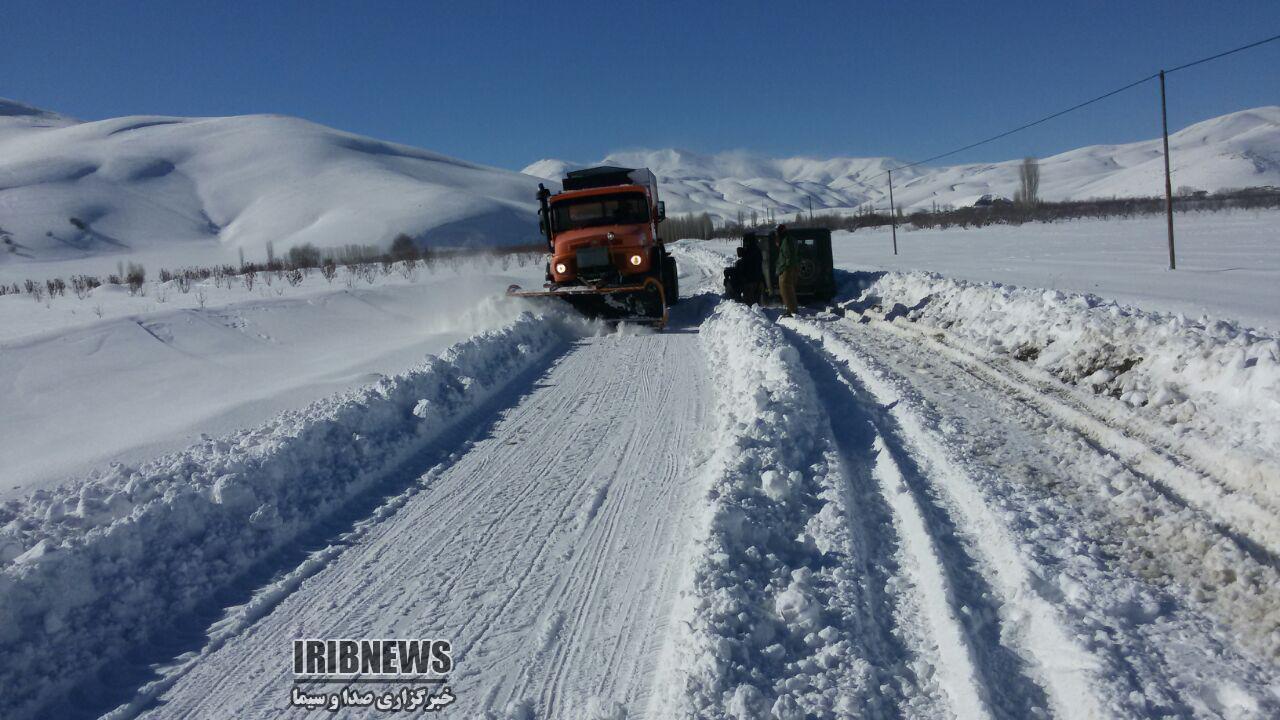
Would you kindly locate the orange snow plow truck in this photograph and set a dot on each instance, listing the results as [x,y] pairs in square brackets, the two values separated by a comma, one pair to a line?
[606,257]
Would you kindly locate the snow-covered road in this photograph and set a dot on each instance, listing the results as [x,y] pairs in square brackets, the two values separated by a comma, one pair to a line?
[746,517]
[547,552]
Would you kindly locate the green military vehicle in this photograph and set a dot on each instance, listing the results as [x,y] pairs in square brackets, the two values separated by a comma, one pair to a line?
[753,278]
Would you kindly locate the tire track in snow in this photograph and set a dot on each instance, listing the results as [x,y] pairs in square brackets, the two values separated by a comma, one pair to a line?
[797,604]
[600,525]
[490,551]
[1250,523]
[945,611]
[1068,673]
[386,481]
[1186,623]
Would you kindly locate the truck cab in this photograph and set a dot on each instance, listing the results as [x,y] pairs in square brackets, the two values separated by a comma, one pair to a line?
[602,229]
[605,257]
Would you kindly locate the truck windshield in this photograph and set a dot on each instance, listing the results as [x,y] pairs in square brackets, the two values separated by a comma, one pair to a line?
[627,209]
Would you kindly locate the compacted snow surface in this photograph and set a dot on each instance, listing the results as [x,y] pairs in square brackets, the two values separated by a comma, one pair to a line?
[941,498]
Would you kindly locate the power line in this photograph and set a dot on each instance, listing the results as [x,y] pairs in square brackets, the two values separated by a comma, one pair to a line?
[1073,108]
[1033,123]
[1223,54]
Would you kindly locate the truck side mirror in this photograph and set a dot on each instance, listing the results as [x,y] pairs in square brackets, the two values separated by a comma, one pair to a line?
[662,211]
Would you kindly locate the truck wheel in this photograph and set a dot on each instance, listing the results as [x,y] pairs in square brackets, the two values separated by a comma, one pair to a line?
[670,279]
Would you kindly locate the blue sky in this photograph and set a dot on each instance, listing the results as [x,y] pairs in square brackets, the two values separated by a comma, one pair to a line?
[511,82]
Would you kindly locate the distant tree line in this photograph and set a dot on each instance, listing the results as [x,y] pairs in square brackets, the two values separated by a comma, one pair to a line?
[998,212]
[698,225]
[359,262]
[1014,213]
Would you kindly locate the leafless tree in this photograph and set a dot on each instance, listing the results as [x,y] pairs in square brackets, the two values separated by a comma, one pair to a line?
[1029,183]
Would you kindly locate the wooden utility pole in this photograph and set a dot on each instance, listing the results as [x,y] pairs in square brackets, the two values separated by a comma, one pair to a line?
[810,208]
[1168,181]
[893,215]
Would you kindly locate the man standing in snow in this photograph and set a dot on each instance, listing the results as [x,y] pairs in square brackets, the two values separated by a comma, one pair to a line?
[787,266]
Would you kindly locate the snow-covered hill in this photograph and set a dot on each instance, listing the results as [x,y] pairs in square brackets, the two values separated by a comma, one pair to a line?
[172,190]
[1241,149]
[134,183]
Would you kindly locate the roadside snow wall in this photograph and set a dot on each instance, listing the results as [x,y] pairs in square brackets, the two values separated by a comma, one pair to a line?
[97,567]
[1215,384]
[769,581]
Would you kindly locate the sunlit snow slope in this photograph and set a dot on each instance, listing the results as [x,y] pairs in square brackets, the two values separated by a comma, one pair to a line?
[1241,149]
[135,183]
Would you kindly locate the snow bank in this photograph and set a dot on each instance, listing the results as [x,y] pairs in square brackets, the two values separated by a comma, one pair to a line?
[1215,384]
[100,566]
[1228,261]
[769,583]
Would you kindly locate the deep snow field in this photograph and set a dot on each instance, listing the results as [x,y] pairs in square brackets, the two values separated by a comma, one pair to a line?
[1228,262]
[949,497]
[119,377]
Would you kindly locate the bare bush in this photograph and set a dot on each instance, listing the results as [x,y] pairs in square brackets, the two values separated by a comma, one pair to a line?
[135,275]
[409,270]
[329,269]
[81,285]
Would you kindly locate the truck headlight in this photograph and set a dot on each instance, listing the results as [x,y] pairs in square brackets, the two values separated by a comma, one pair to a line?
[636,260]
[561,268]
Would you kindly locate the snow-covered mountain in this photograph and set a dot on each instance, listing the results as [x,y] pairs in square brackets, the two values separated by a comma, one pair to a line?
[171,187]
[134,183]
[1241,149]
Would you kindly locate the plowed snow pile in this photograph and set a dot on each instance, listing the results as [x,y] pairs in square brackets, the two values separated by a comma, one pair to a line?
[95,567]
[773,588]
[1207,388]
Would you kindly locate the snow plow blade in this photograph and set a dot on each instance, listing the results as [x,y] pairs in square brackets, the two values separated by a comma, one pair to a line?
[644,302]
